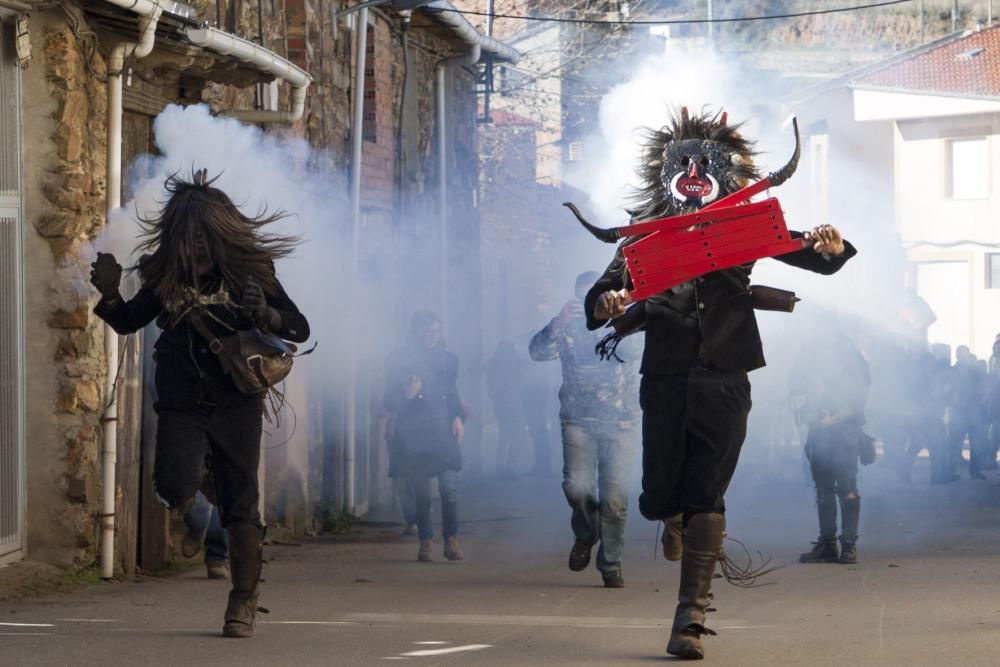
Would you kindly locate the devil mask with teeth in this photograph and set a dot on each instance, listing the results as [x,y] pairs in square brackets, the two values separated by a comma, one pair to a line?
[690,163]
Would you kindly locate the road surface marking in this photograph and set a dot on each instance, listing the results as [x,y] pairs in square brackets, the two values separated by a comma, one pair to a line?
[28,625]
[88,620]
[308,622]
[550,621]
[431,643]
[446,651]
[878,600]
[499,619]
[27,634]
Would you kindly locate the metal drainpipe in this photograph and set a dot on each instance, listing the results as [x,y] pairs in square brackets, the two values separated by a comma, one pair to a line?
[357,143]
[469,58]
[247,51]
[116,63]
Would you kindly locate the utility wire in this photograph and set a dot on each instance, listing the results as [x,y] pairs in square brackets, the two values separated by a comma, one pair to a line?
[738,19]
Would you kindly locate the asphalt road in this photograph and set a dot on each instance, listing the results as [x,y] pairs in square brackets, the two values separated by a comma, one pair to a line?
[927,592]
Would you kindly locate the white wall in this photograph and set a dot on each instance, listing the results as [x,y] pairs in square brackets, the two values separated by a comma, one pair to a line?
[541,100]
[950,274]
[925,210]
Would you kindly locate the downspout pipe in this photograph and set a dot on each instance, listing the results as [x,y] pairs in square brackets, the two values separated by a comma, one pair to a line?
[149,16]
[446,13]
[479,44]
[441,89]
[230,45]
[357,145]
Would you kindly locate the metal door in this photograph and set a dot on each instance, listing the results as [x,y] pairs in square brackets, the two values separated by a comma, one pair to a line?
[11,306]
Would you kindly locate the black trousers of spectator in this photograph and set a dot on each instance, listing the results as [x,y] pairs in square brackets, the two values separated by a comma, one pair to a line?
[833,460]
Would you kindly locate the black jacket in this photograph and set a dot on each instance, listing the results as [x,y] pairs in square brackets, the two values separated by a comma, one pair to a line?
[711,316]
[423,444]
[188,374]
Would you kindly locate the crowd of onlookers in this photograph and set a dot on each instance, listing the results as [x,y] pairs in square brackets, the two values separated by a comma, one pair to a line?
[920,400]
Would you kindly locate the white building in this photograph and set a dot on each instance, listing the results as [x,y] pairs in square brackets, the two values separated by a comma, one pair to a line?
[914,139]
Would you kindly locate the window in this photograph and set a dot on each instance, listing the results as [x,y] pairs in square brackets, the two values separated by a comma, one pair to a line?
[992,270]
[968,168]
[575,151]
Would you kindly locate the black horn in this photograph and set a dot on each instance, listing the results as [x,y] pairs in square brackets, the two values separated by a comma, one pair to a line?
[783,174]
[606,235]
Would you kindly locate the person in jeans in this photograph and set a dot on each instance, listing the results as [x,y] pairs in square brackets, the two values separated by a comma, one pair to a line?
[599,413]
[204,527]
[421,394]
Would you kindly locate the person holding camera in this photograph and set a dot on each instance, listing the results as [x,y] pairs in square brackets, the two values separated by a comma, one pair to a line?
[428,418]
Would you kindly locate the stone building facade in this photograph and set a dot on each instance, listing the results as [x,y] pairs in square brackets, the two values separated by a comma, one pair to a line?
[63,190]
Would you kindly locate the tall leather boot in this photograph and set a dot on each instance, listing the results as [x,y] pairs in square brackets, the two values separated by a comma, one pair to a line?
[673,537]
[246,545]
[825,548]
[850,515]
[702,547]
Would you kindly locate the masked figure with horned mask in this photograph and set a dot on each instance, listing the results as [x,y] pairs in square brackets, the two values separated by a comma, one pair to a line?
[692,296]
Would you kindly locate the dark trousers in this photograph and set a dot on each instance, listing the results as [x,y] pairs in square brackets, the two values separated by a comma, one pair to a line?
[833,460]
[407,501]
[228,440]
[931,434]
[538,429]
[420,487]
[901,442]
[968,422]
[693,427]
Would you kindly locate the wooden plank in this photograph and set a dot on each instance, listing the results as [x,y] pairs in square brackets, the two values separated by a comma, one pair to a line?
[147,522]
[153,517]
[127,468]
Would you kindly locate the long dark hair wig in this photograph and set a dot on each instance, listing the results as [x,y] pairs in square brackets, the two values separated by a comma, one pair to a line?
[238,248]
[652,199]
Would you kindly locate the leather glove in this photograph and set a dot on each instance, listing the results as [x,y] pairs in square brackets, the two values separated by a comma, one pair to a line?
[106,276]
[256,308]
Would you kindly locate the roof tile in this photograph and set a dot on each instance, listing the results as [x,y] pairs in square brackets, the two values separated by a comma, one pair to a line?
[966,66]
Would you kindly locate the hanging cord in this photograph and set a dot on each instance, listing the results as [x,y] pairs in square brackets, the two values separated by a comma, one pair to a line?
[607,349]
[118,374]
[743,575]
[277,423]
[746,574]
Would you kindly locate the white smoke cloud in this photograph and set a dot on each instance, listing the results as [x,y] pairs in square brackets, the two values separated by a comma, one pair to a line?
[661,84]
[258,171]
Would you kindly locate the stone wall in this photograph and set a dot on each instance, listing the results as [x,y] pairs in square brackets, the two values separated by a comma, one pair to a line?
[64,102]
[64,185]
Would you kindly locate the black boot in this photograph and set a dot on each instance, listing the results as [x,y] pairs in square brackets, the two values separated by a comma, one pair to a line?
[850,515]
[825,548]
[246,542]
[826,508]
[824,551]
[702,546]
